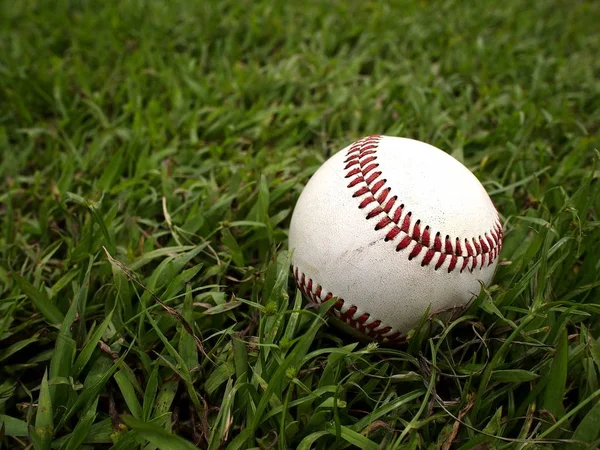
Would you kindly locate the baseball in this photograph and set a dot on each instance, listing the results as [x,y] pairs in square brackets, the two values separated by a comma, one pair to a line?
[391,227]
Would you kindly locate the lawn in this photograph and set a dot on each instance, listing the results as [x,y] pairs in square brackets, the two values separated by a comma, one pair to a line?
[152,154]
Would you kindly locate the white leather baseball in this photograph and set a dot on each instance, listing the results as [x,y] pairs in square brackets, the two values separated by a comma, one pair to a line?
[392,226]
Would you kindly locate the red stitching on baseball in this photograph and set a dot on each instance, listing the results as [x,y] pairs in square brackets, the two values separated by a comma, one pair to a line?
[377,186]
[428,257]
[453,261]
[363,155]
[363,190]
[370,158]
[406,223]
[349,313]
[425,237]
[440,261]
[474,265]
[366,201]
[395,336]
[494,237]
[372,177]
[416,234]
[383,223]
[390,204]
[449,248]
[350,316]
[464,264]
[437,243]
[398,213]
[353,172]
[406,240]
[368,152]
[375,324]
[368,147]
[355,181]
[392,234]
[374,212]
[415,251]
[383,195]
[469,248]
[458,248]
[368,169]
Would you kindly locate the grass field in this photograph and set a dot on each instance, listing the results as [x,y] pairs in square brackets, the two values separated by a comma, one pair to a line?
[152,153]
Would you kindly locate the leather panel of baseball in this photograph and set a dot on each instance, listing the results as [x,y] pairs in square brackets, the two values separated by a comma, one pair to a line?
[336,245]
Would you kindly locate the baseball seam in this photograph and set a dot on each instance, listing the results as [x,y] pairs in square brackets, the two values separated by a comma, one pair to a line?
[370,188]
[349,314]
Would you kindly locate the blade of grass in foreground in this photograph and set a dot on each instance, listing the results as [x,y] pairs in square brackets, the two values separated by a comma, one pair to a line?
[41,301]
[158,436]
[44,419]
[88,349]
[82,429]
[352,437]
[62,356]
[497,360]
[90,394]
[292,360]
[557,378]
[589,428]
[184,371]
[128,392]
[150,394]
[164,400]
[13,426]
[222,426]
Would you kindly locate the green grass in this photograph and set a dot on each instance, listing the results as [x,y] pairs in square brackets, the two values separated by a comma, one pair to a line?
[152,153]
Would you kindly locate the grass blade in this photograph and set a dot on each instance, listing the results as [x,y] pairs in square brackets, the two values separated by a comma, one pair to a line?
[17,346]
[91,392]
[157,435]
[292,360]
[557,378]
[185,372]
[82,429]
[308,441]
[150,394]
[164,400]
[354,438]
[129,394]
[13,426]
[40,300]
[513,376]
[88,349]
[187,344]
[44,418]
[589,427]
[63,355]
